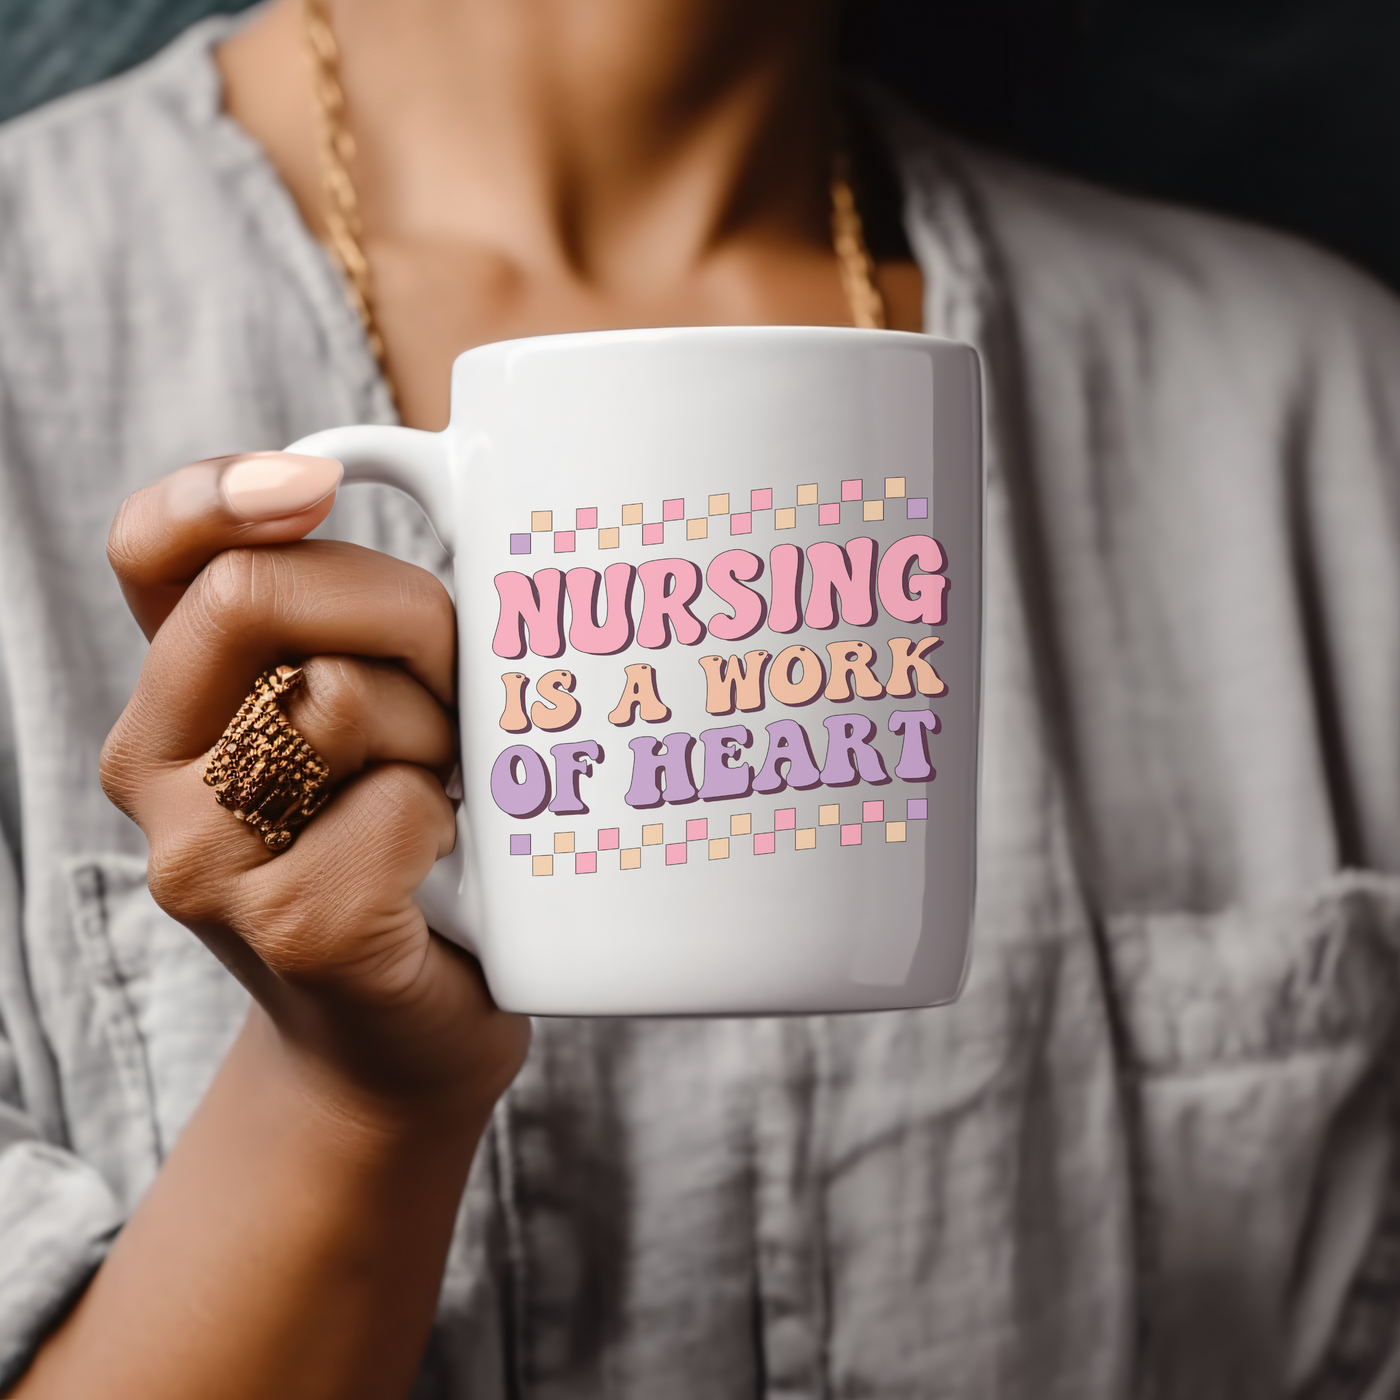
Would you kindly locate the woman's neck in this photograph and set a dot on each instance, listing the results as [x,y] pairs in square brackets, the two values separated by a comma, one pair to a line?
[553,164]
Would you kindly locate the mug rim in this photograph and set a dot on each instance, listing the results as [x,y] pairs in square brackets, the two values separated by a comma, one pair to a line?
[562,340]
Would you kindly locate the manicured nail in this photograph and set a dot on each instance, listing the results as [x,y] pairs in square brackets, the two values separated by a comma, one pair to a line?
[270,485]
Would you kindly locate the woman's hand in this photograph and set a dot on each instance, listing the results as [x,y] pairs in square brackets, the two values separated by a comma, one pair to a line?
[293,1242]
[326,935]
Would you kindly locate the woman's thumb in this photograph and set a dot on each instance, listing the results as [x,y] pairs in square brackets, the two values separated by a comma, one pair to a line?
[164,535]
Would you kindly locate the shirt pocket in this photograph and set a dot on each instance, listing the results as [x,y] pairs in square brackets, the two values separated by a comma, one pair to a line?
[1259,1047]
[164,1012]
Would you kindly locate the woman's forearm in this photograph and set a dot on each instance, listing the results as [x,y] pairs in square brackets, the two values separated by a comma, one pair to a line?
[292,1245]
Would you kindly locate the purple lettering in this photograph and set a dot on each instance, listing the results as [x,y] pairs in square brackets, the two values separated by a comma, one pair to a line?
[658,769]
[913,765]
[520,782]
[787,743]
[850,756]
[571,762]
[726,775]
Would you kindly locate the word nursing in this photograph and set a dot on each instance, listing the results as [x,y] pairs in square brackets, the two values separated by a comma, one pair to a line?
[846,586]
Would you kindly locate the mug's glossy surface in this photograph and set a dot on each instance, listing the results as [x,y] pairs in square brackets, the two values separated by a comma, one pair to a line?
[719,599]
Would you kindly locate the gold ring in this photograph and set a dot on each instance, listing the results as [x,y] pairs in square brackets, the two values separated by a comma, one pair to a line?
[262,770]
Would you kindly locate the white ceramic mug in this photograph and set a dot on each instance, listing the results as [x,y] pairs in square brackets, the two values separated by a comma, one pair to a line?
[719,603]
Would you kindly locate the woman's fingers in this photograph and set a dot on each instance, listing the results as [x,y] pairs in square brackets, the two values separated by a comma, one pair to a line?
[354,712]
[376,640]
[341,894]
[364,857]
[383,736]
[163,536]
[251,609]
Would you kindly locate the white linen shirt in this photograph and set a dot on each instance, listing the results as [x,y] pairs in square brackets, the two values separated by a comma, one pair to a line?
[1151,1151]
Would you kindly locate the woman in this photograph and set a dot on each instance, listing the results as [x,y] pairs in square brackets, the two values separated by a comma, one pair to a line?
[1152,1145]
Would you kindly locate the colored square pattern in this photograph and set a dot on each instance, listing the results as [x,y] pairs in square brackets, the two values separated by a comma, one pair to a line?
[718,847]
[719,502]
[740,824]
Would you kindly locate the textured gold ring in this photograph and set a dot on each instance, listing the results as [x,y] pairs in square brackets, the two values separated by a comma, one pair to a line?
[262,770]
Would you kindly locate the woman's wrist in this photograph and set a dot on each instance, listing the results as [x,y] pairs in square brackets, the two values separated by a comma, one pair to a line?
[293,1241]
[366,1113]
[430,1057]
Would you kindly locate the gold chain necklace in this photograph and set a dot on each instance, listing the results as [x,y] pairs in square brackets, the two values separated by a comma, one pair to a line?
[341,203]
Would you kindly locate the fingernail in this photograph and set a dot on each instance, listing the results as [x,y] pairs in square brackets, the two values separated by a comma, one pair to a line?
[270,485]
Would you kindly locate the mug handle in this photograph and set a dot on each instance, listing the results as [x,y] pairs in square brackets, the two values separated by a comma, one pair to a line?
[418,464]
[409,459]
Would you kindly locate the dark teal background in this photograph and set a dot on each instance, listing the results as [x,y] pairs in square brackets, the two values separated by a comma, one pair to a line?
[1284,111]
[48,47]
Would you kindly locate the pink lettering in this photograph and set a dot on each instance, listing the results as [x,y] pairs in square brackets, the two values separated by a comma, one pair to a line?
[845,574]
[664,608]
[908,596]
[727,574]
[785,573]
[615,634]
[534,605]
